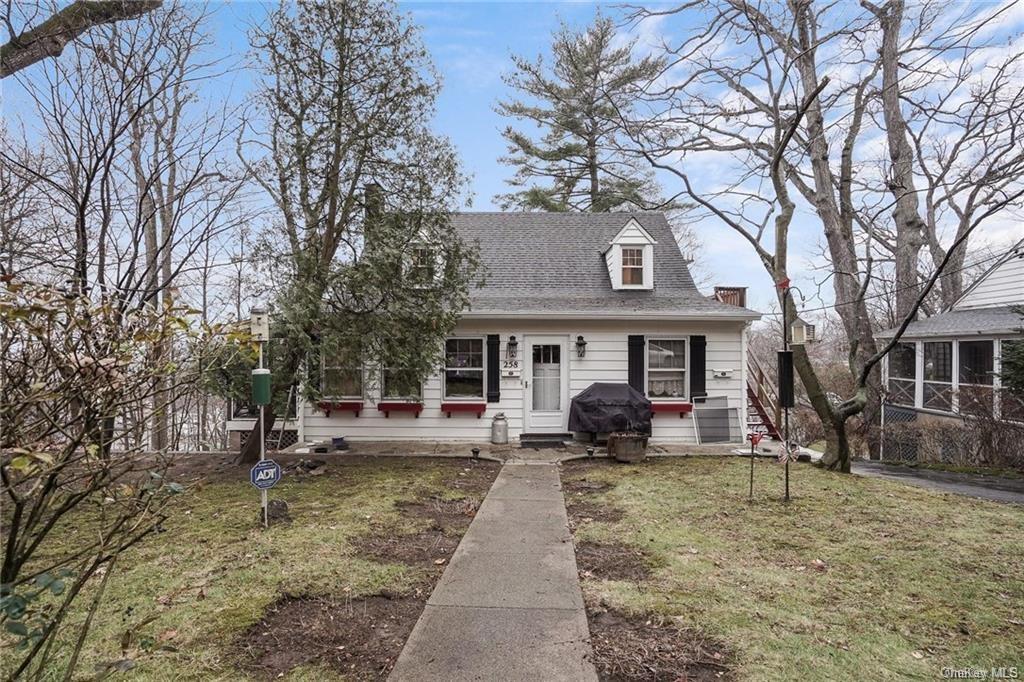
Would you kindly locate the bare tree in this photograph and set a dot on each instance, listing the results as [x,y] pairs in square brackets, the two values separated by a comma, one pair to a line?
[130,167]
[28,46]
[795,137]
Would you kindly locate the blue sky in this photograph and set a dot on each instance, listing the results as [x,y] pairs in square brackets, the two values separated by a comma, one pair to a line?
[471,44]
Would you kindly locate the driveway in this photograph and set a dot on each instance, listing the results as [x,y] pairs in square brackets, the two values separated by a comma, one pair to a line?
[973,485]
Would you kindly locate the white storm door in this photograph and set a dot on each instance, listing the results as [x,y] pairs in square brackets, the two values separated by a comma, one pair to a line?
[545,384]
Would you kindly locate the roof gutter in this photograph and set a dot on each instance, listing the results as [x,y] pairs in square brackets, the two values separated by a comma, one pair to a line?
[1006,331]
[582,315]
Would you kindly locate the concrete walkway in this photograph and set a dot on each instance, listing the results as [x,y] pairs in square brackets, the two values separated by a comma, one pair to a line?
[509,605]
[973,485]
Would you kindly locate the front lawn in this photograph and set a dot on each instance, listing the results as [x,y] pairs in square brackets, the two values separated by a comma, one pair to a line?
[855,578]
[215,597]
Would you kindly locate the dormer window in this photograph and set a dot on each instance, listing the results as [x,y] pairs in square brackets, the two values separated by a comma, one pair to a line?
[630,257]
[421,266]
[632,265]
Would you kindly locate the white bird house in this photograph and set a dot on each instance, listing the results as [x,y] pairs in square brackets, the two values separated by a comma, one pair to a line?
[259,324]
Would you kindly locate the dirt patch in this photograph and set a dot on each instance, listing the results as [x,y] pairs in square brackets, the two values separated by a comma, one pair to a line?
[443,514]
[361,637]
[632,648]
[413,549]
[583,510]
[474,477]
[610,561]
[465,474]
[584,486]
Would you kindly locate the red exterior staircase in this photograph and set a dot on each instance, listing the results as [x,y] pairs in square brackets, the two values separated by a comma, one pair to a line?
[763,411]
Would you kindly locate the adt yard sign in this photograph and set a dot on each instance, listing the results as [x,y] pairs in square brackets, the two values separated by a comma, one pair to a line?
[265,474]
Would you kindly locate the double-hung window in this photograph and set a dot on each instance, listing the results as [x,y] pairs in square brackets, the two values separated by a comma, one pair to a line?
[666,368]
[902,369]
[938,375]
[977,370]
[341,378]
[632,265]
[421,266]
[464,368]
[401,384]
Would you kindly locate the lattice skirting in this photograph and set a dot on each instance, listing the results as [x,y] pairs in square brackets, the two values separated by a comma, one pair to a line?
[276,439]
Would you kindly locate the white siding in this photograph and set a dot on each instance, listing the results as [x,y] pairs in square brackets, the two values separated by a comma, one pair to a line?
[1003,285]
[605,360]
[631,234]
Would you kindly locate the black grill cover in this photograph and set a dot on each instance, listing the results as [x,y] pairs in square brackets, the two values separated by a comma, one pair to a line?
[606,408]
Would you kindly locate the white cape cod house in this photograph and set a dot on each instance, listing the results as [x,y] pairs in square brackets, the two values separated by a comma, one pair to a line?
[947,366]
[568,300]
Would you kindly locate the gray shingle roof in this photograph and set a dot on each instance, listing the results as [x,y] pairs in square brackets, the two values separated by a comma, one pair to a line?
[552,264]
[1000,320]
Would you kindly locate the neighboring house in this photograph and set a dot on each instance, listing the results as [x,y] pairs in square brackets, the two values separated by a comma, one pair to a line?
[568,300]
[947,366]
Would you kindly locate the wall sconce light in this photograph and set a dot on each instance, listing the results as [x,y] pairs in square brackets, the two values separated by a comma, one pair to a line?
[581,346]
[511,348]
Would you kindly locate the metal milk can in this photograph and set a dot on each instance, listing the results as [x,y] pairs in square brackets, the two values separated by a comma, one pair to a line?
[499,429]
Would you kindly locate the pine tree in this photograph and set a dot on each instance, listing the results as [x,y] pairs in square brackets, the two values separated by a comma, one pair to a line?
[577,163]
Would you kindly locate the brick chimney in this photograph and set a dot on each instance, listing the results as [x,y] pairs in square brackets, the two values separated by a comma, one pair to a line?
[373,209]
[732,295]
[373,201]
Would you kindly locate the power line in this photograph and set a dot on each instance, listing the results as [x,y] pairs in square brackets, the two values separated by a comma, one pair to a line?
[897,289]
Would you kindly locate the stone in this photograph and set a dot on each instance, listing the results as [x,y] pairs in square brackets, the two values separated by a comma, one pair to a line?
[277,512]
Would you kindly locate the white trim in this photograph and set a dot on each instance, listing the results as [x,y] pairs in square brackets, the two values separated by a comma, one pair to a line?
[1017,250]
[362,380]
[632,223]
[530,340]
[687,372]
[599,315]
[300,409]
[919,374]
[445,398]
[744,406]
[383,398]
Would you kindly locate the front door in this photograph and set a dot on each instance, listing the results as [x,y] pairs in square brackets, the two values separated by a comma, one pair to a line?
[545,384]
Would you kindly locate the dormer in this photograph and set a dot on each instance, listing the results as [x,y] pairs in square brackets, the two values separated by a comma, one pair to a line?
[630,258]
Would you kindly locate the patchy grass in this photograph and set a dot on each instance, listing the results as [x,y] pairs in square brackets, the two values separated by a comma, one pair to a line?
[211,576]
[855,578]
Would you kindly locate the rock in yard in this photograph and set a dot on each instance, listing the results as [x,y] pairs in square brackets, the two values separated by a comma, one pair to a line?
[277,512]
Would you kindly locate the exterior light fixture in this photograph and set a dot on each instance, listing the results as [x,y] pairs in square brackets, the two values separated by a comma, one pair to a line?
[581,346]
[511,348]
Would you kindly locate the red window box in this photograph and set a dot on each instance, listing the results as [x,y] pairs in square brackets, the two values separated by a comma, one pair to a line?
[474,408]
[400,406]
[328,406]
[681,408]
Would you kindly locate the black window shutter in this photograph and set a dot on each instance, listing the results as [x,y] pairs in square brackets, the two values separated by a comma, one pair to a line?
[698,367]
[635,362]
[493,369]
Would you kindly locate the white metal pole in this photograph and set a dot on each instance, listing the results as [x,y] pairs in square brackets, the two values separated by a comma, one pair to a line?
[263,450]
